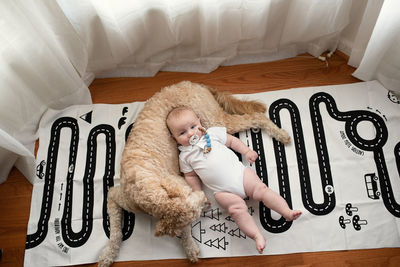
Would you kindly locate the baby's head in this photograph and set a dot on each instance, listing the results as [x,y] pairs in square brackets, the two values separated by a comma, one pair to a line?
[183,123]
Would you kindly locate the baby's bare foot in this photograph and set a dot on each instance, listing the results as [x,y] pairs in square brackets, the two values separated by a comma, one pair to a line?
[260,243]
[293,215]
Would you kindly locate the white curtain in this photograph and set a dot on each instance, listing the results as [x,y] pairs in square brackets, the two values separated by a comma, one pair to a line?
[49,48]
[41,59]
[139,38]
[377,55]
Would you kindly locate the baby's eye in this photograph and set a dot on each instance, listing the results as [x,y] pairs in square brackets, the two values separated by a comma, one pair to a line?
[182,133]
[193,126]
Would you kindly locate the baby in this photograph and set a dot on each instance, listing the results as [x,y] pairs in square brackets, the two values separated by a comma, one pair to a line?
[205,158]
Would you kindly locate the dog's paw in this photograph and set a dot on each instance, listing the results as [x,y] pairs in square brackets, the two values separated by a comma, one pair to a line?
[206,206]
[198,204]
[104,262]
[198,199]
[189,245]
[194,258]
[193,252]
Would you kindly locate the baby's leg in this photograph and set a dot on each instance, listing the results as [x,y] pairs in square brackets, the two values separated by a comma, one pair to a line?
[237,208]
[258,191]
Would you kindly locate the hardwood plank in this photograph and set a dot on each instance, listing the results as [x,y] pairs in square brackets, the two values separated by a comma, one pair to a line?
[302,71]
[15,199]
[248,78]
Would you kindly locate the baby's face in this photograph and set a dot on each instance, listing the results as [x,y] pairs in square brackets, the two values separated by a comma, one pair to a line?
[184,127]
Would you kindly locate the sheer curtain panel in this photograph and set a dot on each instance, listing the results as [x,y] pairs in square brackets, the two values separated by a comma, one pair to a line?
[139,38]
[41,59]
[381,60]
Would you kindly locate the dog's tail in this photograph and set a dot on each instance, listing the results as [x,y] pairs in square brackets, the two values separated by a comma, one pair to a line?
[233,105]
[115,213]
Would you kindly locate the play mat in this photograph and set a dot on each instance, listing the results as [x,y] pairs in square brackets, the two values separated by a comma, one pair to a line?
[341,169]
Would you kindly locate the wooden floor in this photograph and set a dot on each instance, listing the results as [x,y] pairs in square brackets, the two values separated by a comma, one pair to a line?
[15,193]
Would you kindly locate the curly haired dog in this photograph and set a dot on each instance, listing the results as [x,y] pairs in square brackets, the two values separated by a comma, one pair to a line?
[150,178]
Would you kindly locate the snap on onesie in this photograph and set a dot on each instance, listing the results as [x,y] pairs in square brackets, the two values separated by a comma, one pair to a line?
[220,169]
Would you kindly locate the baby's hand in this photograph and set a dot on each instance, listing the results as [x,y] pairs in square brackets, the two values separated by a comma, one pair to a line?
[251,156]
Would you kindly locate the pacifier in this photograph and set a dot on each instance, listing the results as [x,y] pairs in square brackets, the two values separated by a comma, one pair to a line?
[194,139]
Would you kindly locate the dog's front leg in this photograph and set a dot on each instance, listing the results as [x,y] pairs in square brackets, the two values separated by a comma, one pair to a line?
[190,246]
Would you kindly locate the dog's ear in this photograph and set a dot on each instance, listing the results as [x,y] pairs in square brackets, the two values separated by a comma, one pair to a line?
[204,124]
[201,119]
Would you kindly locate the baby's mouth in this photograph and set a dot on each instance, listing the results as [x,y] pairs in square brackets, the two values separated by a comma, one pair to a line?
[194,139]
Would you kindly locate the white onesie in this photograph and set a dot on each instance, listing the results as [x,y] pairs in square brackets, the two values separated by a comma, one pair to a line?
[220,169]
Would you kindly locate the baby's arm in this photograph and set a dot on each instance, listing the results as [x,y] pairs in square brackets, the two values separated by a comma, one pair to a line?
[237,145]
[193,180]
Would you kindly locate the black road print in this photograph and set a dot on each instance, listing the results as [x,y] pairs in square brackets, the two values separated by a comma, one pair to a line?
[32,240]
[397,156]
[266,220]
[71,238]
[375,145]
[351,119]
[323,159]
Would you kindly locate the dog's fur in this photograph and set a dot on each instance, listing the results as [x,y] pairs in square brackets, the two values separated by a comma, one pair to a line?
[150,177]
